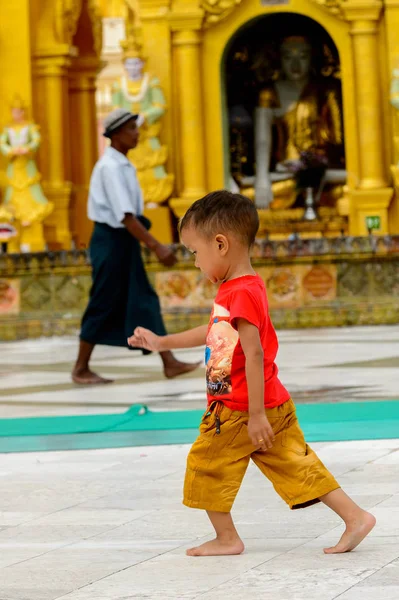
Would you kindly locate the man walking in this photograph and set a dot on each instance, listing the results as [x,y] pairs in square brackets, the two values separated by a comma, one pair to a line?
[121,296]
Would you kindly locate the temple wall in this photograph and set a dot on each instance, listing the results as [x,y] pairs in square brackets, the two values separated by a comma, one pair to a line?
[322,283]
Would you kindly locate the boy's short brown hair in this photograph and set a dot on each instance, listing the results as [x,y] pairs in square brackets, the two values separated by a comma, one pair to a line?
[221,212]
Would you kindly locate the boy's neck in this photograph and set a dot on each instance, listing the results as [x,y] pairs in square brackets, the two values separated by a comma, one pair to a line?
[239,268]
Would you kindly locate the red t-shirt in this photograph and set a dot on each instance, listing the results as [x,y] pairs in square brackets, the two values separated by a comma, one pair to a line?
[245,298]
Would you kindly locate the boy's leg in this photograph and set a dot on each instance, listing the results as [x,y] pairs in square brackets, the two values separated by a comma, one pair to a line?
[227,540]
[216,466]
[358,522]
[301,479]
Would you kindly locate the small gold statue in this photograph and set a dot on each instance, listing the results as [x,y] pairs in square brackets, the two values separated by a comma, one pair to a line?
[24,200]
[141,93]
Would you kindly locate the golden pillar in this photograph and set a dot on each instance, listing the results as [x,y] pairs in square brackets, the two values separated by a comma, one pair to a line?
[368,102]
[51,78]
[372,196]
[188,66]
[391,13]
[189,108]
[83,128]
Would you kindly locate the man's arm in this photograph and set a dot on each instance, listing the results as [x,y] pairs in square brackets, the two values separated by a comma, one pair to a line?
[143,338]
[259,429]
[123,207]
[137,230]
[164,254]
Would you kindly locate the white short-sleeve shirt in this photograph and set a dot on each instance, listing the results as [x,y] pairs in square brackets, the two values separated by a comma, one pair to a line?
[114,190]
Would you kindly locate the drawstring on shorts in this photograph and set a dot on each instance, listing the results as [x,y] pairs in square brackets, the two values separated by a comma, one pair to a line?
[216,408]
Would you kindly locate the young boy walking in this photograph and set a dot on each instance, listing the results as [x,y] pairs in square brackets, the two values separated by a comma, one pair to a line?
[250,414]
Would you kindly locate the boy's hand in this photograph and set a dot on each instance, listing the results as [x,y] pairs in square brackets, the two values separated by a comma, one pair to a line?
[144,338]
[260,432]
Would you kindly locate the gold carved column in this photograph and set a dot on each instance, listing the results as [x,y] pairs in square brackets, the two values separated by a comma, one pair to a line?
[51,81]
[186,28]
[391,14]
[84,147]
[83,116]
[372,195]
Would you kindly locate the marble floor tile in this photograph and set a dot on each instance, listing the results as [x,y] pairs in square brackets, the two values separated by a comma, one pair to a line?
[122,537]
[309,584]
[109,524]
[306,360]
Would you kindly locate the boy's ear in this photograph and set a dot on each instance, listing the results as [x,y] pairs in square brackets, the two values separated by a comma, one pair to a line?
[222,243]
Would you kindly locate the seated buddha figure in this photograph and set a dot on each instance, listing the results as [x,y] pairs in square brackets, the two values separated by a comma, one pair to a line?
[297,113]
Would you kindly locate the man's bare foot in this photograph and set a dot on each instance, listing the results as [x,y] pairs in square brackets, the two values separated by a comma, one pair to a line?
[218,547]
[354,534]
[87,377]
[180,368]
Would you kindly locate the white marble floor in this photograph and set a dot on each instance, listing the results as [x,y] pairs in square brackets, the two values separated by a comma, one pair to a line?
[109,524]
[324,365]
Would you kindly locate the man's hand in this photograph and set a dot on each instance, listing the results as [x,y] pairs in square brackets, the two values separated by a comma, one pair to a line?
[144,338]
[165,255]
[260,431]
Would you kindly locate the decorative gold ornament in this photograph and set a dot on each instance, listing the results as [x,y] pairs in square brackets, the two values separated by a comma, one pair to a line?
[96,21]
[217,10]
[332,6]
[66,19]
[132,46]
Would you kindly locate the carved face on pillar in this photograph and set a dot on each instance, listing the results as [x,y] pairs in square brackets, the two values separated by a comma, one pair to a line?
[296,58]
[134,68]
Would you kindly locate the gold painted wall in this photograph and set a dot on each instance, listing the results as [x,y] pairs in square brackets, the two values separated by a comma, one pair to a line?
[52,59]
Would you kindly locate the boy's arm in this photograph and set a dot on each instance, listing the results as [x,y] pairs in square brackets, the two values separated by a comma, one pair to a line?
[143,338]
[259,429]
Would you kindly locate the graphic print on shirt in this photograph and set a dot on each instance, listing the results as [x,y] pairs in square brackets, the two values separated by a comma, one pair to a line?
[221,342]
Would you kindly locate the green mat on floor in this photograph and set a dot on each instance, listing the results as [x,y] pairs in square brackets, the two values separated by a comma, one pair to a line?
[142,427]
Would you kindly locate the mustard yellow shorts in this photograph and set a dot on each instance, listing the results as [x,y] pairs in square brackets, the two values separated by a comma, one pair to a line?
[217,462]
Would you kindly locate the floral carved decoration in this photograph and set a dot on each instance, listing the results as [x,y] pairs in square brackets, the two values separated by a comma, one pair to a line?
[66,19]
[217,10]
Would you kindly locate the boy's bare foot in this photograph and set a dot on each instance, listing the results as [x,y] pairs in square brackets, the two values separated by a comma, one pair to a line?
[87,377]
[177,368]
[218,547]
[354,534]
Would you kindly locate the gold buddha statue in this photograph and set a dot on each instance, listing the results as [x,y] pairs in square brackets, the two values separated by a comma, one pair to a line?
[305,114]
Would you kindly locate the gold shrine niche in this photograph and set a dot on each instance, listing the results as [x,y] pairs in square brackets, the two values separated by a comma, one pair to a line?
[285,125]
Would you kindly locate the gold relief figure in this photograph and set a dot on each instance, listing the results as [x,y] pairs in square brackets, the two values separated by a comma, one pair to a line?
[141,93]
[24,198]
